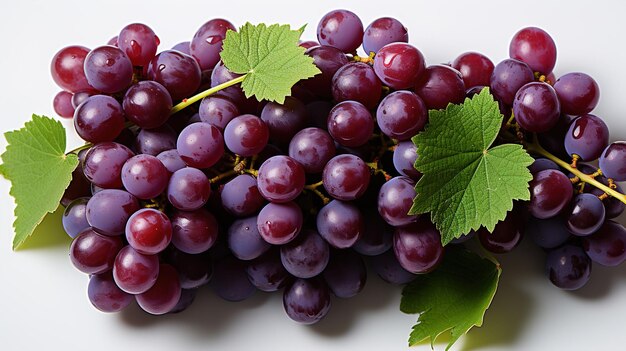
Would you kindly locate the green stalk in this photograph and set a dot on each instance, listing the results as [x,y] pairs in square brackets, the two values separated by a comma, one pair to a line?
[206,93]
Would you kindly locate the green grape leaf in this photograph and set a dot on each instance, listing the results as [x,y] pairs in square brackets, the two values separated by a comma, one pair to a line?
[39,170]
[270,58]
[453,298]
[465,183]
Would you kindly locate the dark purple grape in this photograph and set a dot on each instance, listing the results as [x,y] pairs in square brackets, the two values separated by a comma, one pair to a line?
[62,104]
[541,164]
[548,233]
[217,111]
[377,236]
[475,68]
[613,206]
[280,179]
[171,160]
[505,236]
[154,141]
[328,59]
[568,267]
[350,124]
[607,246]
[75,217]
[200,145]
[507,77]
[401,115]
[103,164]
[383,31]
[587,136]
[312,148]
[188,189]
[586,214]
[346,177]
[194,270]
[308,44]
[578,93]
[183,47]
[389,269]
[306,256]
[284,120]
[147,104]
[149,231]
[108,69]
[220,75]
[187,296]
[553,139]
[178,72]
[418,246]
[94,253]
[395,200]
[100,118]
[340,224]
[246,135]
[104,294]
[163,296]
[80,97]
[439,86]
[306,301]
[244,239]
[109,210]
[536,107]
[241,196]
[278,224]
[267,272]
[144,176]
[341,29]
[139,43]
[194,232]
[550,192]
[399,65]
[345,274]
[79,186]
[230,280]
[535,47]
[357,81]
[613,161]
[206,44]
[67,69]
[404,157]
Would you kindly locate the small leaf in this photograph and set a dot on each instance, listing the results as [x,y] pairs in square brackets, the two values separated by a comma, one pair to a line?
[453,298]
[269,57]
[465,184]
[39,171]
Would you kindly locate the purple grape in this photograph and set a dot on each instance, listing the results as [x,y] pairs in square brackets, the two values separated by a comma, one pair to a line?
[139,42]
[613,161]
[280,179]
[194,232]
[241,197]
[340,224]
[221,74]
[308,44]
[613,206]
[194,270]
[284,120]
[345,274]
[178,72]
[217,111]
[206,44]
[568,267]
[401,115]
[383,31]
[586,215]
[154,141]
[103,164]
[550,192]
[536,107]
[147,104]
[163,296]
[109,210]
[475,68]
[578,93]
[399,65]
[144,176]
[306,301]
[67,69]
[134,272]
[350,124]
[183,47]
[541,164]
[246,135]
[187,296]
[306,256]
[341,29]
[587,136]
[548,233]
[149,231]
[188,189]
[278,224]
[552,140]
[312,148]
[377,236]
[267,272]
[94,253]
[346,177]
[105,295]
[171,160]
[505,236]
[108,69]
[80,97]
[200,145]
[62,104]
[418,246]
[75,217]
[607,246]
[230,280]
[439,86]
[535,47]
[328,59]
[404,157]
[357,81]
[389,269]
[100,118]
[395,200]
[79,186]
[244,239]
[507,78]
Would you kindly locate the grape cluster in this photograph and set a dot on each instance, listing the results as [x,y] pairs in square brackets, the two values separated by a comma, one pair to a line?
[298,197]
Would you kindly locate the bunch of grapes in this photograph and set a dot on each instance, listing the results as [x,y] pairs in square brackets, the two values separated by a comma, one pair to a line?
[298,197]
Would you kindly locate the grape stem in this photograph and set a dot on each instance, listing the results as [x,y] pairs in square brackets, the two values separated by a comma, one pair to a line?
[202,95]
[536,148]
[221,176]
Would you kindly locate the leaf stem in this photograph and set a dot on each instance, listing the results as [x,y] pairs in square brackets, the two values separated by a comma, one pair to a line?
[80,148]
[538,149]
[201,95]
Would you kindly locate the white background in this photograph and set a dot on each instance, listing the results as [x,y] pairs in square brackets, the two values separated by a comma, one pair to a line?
[43,302]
